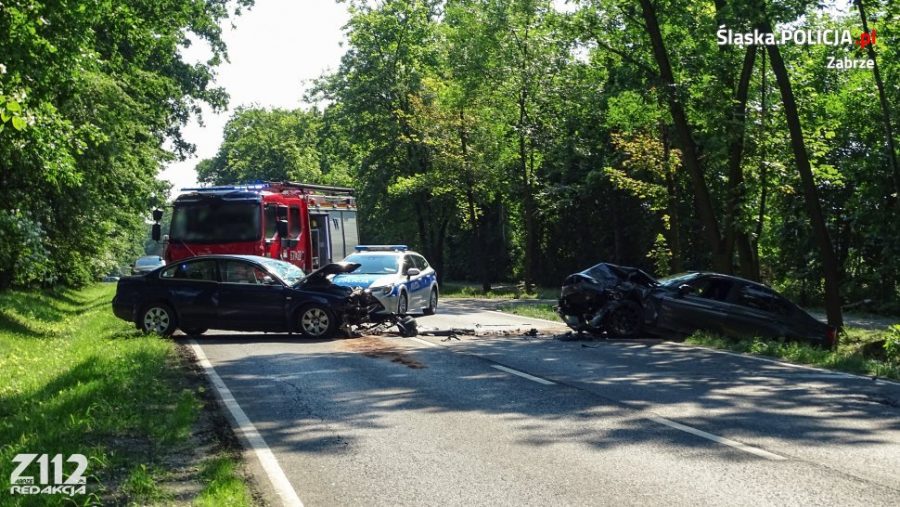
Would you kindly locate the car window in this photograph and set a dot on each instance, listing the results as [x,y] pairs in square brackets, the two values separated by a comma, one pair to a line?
[242,272]
[373,264]
[288,273]
[407,264]
[712,288]
[271,220]
[762,299]
[196,270]
[421,263]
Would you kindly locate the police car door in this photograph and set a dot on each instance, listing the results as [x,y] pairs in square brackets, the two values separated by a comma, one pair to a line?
[416,284]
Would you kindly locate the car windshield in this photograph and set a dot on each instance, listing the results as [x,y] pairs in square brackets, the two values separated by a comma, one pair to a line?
[676,280]
[374,264]
[216,222]
[286,271]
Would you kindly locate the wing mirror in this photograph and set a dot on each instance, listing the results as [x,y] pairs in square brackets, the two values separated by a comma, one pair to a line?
[268,280]
[684,289]
[412,272]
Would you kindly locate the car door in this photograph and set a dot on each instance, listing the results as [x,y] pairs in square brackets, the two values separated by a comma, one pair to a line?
[250,299]
[192,288]
[703,307]
[415,284]
[763,313]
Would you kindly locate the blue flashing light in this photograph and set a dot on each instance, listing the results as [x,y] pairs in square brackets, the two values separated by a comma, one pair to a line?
[381,248]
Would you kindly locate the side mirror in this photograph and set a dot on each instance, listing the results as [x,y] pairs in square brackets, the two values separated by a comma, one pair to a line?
[412,272]
[684,289]
[157,215]
[156,232]
[282,227]
[268,280]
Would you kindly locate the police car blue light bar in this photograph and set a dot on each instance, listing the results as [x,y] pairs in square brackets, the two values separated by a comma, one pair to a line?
[381,248]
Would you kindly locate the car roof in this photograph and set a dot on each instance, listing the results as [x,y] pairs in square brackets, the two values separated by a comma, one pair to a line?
[384,252]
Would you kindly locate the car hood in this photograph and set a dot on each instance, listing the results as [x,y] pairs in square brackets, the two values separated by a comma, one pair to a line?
[610,275]
[363,280]
[335,268]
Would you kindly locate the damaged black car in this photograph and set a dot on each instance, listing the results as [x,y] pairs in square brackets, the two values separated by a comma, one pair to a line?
[627,302]
[249,293]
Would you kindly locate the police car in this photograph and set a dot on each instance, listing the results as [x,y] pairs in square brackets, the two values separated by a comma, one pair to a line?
[401,279]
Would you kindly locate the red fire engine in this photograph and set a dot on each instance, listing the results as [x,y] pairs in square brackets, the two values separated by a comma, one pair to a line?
[306,225]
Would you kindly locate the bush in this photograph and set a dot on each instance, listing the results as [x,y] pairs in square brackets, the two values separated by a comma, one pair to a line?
[892,344]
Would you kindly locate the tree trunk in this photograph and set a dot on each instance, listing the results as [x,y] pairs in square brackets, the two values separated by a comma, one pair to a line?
[885,109]
[672,198]
[478,245]
[736,130]
[808,184]
[685,141]
[763,167]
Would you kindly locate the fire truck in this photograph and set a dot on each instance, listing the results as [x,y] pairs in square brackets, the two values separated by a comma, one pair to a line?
[306,225]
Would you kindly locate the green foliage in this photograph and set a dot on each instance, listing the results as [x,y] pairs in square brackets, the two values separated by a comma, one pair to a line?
[271,145]
[75,379]
[89,94]
[892,344]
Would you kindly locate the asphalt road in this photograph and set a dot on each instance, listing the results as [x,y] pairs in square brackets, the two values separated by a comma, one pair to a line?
[514,420]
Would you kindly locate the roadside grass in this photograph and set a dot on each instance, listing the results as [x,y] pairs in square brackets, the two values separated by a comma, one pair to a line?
[502,291]
[75,379]
[535,311]
[859,351]
[223,485]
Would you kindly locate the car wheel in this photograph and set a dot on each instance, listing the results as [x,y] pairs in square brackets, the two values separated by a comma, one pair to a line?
[432,302]
[158,318]
[625,321]
[408,327]
[316,321]
[403,304]
[194,331]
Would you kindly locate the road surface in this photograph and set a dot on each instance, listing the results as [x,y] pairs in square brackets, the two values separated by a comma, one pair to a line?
[511,420]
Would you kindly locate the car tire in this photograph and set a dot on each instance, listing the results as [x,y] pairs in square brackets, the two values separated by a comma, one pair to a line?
[402,304]
[625,321]
[316,322]
[431,309]
[158,318]
[195,331]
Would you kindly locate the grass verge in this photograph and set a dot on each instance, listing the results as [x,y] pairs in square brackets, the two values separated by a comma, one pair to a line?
[503,291]
[860,351]
[74,379]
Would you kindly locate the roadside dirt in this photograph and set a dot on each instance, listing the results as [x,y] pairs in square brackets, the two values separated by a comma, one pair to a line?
[379,348]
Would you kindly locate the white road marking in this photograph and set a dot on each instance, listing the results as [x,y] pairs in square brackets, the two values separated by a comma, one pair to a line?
[715,438]
[266,458]
[510,314]
[425,342]
[524,375]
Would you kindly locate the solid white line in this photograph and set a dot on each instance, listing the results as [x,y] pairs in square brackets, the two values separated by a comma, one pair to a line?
[425,342]
[510,314]
[715,438]
[266,458]
[524,375]
[879,381]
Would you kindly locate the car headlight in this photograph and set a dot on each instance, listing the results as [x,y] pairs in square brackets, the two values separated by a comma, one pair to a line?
[387,289]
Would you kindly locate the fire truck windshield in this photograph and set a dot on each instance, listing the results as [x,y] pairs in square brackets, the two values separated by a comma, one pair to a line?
[223,222]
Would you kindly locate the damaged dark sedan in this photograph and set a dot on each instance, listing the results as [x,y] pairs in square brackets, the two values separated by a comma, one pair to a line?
[626,302]
[248,293]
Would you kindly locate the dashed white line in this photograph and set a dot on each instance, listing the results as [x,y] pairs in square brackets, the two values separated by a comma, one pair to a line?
[715,438]
[524,375]
[270,465]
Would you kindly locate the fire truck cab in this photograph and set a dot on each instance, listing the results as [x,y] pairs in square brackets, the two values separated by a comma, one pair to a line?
[306,225]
